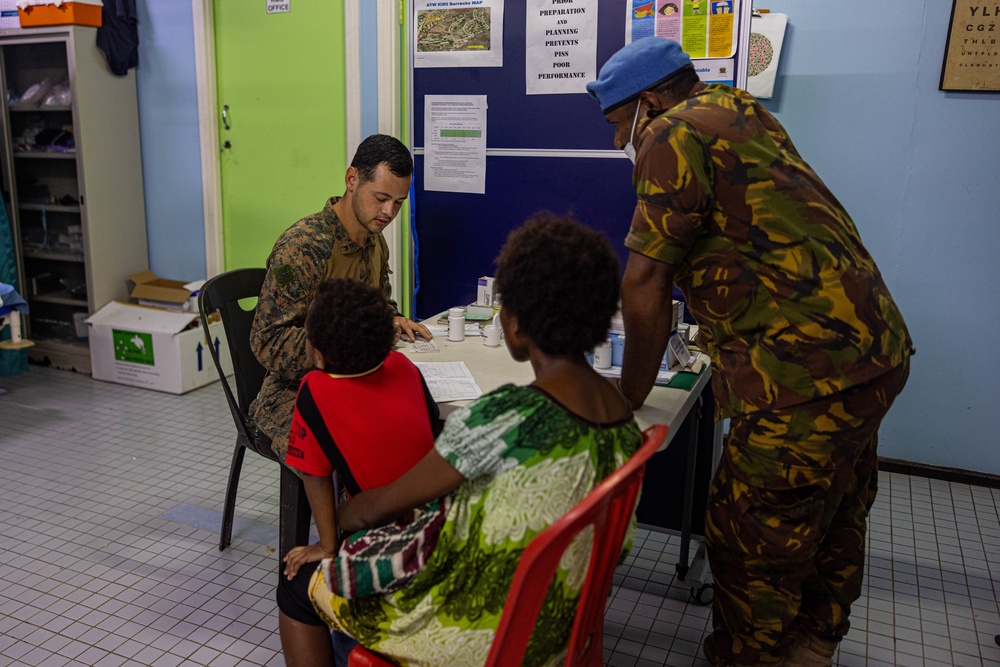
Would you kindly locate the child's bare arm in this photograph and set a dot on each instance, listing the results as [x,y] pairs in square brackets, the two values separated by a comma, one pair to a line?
[432,477]
[319,490]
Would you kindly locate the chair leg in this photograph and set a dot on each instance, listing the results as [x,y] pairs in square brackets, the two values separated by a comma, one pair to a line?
[229,506]
[294,515]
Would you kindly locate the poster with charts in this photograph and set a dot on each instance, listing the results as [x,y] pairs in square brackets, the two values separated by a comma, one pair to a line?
[455,143]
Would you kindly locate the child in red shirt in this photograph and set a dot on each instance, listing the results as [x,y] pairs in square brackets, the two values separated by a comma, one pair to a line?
[365,411]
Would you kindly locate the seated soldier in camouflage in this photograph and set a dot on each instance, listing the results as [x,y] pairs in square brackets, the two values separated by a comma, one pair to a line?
[808,348]
[344,240]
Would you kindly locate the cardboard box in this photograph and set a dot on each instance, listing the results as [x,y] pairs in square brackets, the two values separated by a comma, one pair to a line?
[154,348]
[9,19]
[486,292]
[79,13]
[148,289]
[475,311]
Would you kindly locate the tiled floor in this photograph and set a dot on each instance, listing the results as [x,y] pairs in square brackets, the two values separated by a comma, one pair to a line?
[105,492]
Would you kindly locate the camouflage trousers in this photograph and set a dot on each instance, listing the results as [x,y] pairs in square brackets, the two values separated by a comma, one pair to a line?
[786,520]
[273,416]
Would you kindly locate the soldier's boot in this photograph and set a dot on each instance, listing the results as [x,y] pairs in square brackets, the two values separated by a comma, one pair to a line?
[810,651]
[708,648]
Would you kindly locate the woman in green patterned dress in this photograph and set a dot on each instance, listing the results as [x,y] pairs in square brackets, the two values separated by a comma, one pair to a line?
[516,460]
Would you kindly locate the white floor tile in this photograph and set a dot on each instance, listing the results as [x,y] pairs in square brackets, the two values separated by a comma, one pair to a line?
[92,574]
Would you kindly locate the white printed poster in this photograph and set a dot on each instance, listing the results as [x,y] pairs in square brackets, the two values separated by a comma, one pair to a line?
[560,38]
[458,33]
[455,143]
[767,32]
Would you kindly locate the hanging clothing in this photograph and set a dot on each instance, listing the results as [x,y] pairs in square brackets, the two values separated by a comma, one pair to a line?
[118,35]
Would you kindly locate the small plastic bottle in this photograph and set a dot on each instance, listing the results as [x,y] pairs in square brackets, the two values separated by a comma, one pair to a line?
[456,324]
[602,355]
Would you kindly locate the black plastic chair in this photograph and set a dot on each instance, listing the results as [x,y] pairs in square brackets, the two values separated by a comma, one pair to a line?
[223,293]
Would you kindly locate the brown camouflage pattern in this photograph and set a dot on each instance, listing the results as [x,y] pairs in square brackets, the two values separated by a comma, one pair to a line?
[316,247]
[786,520]
[790,305]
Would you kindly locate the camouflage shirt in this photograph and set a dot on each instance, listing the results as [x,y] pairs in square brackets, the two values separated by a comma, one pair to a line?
[313,249]
[790,304]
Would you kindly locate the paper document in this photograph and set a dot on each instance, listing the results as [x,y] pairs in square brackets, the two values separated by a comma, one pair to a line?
[662,377]
[421,345]
[471,329]
[455,143]
[449,380]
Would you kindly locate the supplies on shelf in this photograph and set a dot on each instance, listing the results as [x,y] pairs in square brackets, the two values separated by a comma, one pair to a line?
[34,13]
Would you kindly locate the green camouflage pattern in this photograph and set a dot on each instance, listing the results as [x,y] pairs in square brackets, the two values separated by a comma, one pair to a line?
[785,529]
[790,304]
[313,249]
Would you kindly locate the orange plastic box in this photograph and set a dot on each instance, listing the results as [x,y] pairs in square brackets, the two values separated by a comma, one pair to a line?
[77,13]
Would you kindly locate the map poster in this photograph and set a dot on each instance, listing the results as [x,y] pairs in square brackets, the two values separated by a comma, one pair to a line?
[455,143]
[705,28]
[458,33]
[972,55]
[560,39]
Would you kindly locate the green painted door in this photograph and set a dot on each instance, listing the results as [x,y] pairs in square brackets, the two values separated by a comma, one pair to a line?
[280,82]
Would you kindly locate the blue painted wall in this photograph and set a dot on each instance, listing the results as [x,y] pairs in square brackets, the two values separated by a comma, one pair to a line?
[171,154]
[369,69]
[857,90]
[917,168]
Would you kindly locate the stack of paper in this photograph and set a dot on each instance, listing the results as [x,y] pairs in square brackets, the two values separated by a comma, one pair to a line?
[449,380]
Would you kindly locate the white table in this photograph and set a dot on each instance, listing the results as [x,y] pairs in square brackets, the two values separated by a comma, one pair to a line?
[493,366]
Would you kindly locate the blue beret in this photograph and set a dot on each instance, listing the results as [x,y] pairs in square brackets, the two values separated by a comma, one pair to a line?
[636,67]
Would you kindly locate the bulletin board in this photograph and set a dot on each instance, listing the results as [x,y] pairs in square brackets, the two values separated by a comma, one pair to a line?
[543,152]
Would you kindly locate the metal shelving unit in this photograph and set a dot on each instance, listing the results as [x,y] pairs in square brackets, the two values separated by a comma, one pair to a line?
[78,214]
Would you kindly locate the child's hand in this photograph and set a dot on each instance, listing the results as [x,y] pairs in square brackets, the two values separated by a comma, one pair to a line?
[299,556]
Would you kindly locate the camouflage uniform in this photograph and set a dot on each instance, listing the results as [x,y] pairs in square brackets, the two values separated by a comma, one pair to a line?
[313,249]
[796,318]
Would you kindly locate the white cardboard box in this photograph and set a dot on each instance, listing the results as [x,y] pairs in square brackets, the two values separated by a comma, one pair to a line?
[154,348]
[486,291]
[9,19]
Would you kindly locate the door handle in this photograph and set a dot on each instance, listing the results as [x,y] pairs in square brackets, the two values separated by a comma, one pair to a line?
[225,116]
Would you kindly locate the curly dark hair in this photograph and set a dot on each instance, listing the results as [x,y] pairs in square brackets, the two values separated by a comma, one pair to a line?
[350,323]
[382,149]
[560,279]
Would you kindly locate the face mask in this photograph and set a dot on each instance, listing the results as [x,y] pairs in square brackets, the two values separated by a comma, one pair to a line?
[629,149]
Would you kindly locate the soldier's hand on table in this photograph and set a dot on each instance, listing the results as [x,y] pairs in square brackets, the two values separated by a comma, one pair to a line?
[300,556]
[409,329]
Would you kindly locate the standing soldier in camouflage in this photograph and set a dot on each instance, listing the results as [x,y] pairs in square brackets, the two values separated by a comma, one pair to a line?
[808,349]
[344,240]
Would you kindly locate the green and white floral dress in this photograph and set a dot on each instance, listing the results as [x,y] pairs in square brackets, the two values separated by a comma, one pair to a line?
[527,461]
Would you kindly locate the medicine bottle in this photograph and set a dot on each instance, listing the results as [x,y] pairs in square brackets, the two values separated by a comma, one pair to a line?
[602,355]
[456,324]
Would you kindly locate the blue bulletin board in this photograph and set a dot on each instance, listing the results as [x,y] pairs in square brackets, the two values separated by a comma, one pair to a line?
[543,152]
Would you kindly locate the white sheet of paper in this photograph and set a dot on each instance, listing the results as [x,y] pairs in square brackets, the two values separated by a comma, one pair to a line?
[421,345]
[449,380]
[662,377]
[455,143]
[560,46]
[767,33]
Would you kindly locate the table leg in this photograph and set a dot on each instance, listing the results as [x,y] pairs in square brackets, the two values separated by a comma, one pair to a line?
[691,464]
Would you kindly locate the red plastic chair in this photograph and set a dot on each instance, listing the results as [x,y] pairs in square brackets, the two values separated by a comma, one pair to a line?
[609,509]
